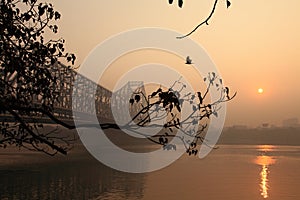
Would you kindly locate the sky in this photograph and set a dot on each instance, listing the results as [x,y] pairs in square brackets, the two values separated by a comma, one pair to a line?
[254,44]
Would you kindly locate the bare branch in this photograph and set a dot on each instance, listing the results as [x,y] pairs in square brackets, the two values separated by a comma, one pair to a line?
[205,22]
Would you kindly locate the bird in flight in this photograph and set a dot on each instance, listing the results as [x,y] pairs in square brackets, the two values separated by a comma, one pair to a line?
[188,60]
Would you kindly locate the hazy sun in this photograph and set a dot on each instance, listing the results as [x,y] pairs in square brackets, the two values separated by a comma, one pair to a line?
[260,90]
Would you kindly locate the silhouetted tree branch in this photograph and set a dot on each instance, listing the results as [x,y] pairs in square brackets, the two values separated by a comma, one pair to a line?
[205,22]
[26,75]
[169,102]
[26,63]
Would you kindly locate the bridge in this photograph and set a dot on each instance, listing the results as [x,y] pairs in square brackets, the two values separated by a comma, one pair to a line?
[63,107]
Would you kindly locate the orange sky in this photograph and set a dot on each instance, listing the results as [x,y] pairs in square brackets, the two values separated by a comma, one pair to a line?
[254,44]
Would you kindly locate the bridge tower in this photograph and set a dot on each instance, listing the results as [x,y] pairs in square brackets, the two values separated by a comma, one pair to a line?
[122,110]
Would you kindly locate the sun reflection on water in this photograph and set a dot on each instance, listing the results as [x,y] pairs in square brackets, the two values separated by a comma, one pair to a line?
[265,161]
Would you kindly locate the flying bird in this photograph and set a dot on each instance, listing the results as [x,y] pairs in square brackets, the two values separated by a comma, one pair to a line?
[188,60]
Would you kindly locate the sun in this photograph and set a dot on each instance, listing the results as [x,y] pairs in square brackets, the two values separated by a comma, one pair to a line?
[260,90]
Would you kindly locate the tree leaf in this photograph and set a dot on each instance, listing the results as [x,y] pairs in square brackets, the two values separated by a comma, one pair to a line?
[228,3]
[137,98]
[131,101]
[180,3]
[215,114]
[194,108]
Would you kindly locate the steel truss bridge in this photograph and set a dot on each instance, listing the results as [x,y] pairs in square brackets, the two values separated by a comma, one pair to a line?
[63,107]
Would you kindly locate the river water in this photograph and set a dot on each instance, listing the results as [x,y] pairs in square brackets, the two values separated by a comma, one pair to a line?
[229,172]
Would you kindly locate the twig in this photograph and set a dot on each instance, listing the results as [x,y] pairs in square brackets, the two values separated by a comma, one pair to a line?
[204,22]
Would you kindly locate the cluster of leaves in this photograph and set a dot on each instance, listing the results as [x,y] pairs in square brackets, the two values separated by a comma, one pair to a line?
[167,104]
[26,61]
[159,99]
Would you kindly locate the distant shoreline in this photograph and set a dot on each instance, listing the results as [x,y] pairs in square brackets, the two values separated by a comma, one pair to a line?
[261,136]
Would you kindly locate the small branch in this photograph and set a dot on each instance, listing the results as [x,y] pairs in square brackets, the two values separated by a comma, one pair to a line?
[204,22]
[54,147]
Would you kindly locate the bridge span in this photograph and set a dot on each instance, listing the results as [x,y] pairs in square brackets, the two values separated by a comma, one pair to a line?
[63,108]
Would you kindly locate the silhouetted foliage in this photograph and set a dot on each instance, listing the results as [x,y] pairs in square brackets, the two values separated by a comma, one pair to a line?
[26,75]
[180,3]
[26,59]
[167,104]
